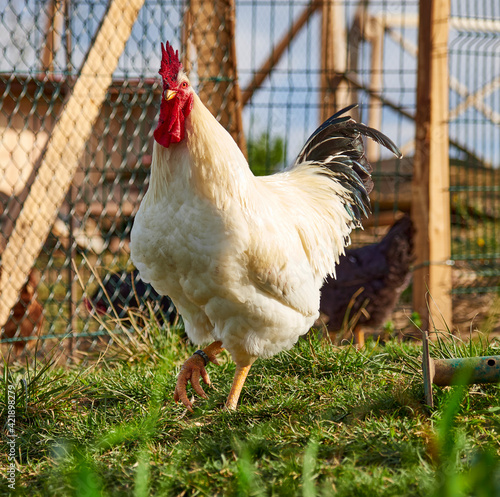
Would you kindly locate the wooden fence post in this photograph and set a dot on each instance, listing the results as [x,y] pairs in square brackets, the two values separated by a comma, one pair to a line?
[60,159]
[430,186]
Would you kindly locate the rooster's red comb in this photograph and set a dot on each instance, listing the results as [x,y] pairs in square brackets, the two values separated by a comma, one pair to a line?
[170,64]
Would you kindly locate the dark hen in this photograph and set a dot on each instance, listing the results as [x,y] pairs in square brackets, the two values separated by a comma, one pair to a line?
[369,281]
[126,291]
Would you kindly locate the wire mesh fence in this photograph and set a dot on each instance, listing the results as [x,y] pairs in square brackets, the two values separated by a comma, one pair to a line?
[475,125]
[270,71]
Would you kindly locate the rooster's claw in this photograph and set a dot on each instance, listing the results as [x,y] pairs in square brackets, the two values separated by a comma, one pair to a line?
[191,370]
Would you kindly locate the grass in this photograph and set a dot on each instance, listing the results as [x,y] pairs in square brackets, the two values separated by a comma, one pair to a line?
[316,421]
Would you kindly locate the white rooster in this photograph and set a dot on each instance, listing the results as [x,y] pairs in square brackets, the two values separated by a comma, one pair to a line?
[243,258]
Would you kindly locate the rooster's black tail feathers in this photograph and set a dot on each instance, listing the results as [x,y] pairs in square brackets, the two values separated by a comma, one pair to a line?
[338,146]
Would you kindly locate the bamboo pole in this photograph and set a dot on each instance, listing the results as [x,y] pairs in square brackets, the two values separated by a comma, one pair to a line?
[60,159]
[430,185]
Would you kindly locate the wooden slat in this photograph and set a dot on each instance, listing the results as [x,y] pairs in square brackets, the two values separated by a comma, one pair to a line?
[63,149]
[476,99]
[53,34]
[430,186]
[334,96]
[376,37]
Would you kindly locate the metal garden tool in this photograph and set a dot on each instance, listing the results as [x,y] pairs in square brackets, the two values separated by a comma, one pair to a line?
[482,369]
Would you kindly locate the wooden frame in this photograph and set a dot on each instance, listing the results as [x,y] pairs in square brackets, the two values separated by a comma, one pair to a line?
[278,51]
[430,197]
[60,158]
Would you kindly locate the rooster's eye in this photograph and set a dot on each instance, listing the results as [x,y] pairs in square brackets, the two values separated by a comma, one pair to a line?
[184,85]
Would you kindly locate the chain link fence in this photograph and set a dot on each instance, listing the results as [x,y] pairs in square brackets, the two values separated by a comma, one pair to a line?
[270,72]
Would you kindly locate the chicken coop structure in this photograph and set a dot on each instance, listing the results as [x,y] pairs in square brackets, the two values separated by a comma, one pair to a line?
[79,103]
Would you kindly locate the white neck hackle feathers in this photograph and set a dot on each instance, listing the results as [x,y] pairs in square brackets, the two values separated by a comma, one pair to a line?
[208,160]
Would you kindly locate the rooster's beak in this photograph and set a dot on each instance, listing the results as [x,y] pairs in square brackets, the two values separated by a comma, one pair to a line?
[169,94]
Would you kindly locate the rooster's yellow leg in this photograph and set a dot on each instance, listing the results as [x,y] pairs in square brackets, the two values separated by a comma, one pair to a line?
[240,376]
[191,371]
[359,337]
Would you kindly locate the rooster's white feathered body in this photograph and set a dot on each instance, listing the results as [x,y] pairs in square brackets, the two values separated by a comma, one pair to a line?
[243,257]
